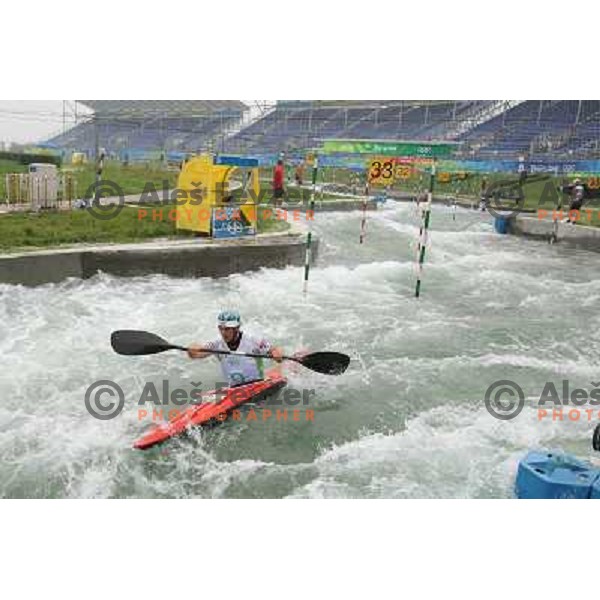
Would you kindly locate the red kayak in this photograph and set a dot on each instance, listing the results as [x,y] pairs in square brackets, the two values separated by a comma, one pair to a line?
[200,414]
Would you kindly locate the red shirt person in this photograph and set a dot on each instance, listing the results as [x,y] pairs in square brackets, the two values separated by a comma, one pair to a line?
[278,179]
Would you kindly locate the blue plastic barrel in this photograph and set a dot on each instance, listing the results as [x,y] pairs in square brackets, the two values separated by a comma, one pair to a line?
[595,495]
[556,475]
[501,225]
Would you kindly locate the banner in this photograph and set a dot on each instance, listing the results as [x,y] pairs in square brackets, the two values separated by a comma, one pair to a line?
[384,148]
[551,167]
[346,161]
[236,161]
[358,162]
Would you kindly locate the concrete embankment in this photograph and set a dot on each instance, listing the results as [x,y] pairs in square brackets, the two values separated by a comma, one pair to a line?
[189,258]
[531,225]
[177,258]
[580,236]
[342,205]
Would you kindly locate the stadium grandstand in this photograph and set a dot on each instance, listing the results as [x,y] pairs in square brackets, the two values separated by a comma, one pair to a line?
[130,126]
[487,129]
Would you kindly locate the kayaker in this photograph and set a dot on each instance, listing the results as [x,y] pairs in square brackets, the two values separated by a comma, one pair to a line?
[237,369]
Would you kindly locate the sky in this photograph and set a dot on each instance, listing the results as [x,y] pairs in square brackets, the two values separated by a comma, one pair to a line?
[25,121]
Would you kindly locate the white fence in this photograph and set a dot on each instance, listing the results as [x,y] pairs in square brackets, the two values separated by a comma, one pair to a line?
[40,190]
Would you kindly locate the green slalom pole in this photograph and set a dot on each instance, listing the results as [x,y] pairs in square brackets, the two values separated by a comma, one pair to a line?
[423,233]
[307,254]
[322,188]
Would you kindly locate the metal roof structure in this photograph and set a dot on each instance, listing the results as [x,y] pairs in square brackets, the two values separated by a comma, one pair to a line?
[168,108]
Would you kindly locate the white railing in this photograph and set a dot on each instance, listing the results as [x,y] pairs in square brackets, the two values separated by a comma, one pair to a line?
[369,115]
[256,111]
[479,116]
[37,191]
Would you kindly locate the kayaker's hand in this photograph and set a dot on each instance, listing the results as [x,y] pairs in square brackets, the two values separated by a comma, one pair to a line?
[277,354]
[195,351]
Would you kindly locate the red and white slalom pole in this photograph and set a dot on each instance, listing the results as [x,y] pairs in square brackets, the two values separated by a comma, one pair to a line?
[363,222]
[424,231]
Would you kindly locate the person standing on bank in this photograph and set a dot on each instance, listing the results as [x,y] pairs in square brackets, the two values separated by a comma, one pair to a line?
[278,183]
[577,196]
[299,174]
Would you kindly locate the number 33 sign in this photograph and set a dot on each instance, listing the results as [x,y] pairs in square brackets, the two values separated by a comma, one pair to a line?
[381,171]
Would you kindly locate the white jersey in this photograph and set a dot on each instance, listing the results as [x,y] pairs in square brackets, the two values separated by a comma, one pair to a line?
[241,369]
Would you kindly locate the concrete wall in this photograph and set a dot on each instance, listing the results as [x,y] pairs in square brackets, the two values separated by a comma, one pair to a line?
[436,198]
[178,259]
[343,205]
[579,236]
[198,258]
[38,268]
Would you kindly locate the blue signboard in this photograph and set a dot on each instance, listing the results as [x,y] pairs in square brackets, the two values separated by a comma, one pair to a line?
[230,222]
[236,161]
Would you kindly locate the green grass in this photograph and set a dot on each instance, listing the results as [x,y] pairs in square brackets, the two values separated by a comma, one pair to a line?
[417,183]
[51,229]
[31,230]
[538,194]
[65,228]
[6,167]
[132,179]
[272,226]
[136,178]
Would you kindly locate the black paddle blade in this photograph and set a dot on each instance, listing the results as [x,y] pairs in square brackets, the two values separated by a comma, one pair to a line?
[596,439]
[328,363]
[135,343]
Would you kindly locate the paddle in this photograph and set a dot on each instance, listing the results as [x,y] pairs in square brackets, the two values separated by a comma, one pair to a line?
[136,343]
